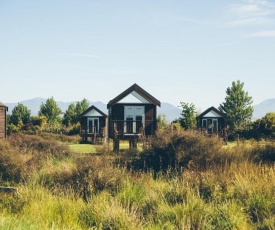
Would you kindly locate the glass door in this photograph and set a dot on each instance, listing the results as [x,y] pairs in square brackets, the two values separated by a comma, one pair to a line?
[93,125]
[134,117]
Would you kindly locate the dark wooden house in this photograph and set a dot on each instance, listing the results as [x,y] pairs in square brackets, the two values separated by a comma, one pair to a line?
[132,114]
[3,120]
[212,121]
[94,124]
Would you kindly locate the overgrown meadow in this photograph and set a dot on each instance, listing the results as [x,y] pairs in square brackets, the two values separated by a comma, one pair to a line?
[182,180]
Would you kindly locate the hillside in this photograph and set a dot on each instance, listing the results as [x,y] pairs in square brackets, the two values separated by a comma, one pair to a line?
[263,108]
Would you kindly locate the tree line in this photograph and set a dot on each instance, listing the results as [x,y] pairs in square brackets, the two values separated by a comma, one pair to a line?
[49,118]
[237,107]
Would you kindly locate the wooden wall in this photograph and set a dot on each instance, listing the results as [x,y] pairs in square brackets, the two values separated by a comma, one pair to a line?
[117,113]
[2,122]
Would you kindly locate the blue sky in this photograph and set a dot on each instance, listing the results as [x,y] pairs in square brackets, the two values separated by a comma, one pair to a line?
[179,51]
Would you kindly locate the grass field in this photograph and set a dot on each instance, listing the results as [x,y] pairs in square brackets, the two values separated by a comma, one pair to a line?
[91,148]
[58,189]
[83,148]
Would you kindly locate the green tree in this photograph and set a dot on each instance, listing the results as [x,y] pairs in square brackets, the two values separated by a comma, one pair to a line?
[188,116]
[20,115]
[162,121]
[268,124]
[73,112]
[81,106]
[237,107]
[70,115]
[50,110]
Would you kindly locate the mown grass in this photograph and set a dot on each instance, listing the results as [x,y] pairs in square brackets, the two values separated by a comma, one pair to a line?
[83,148]
[58,189]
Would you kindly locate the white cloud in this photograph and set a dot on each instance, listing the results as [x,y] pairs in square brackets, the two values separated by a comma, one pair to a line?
[251,13]
[270,33]
[250,21]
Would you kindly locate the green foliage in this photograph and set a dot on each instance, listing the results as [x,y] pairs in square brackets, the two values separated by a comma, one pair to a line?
[20,113]
[81,106]
[173,148]
[162,121]
[237,107]
[50,110]
[11,128]
[39,121]
[54,127]
[188,115]
[71,116]
[268,124]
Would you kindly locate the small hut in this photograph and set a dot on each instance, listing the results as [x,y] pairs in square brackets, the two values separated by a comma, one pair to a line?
[93,125]
[211,121]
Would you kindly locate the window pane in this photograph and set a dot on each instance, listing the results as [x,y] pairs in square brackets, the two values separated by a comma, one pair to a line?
[96,125]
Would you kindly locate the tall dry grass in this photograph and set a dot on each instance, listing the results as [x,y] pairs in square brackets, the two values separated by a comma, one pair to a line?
[57,189]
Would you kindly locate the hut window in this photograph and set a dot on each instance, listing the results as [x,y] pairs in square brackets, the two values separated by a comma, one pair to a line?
[93,125]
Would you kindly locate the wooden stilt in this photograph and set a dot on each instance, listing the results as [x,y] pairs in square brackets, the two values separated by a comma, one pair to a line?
[116,145]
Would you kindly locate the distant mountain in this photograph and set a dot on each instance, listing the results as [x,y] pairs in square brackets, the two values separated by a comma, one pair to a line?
[263,108]
[172,112]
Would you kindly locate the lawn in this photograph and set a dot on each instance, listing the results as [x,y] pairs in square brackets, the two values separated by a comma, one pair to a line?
[89,148]
[83,148]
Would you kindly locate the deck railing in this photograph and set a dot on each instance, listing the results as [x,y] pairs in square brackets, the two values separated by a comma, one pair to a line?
[126,129]
[91,130]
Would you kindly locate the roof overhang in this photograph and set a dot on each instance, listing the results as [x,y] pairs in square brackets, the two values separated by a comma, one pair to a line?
[90,109]
[212,112]
[137,92]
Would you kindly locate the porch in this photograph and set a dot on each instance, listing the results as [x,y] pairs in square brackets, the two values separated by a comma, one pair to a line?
[126,129]
[93,133]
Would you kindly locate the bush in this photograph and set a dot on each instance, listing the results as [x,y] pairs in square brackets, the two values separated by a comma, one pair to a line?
[177,148]
[10,163]
[21,155]
[89,175]
[265,153]
[39,147]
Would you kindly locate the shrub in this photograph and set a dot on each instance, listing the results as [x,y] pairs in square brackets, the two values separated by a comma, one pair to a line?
[10,163]
[88,175]
[177,148]
[39,147]
[264,153]
[22,154]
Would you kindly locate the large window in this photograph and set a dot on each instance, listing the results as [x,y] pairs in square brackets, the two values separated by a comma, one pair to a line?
[134,117]
[210,125]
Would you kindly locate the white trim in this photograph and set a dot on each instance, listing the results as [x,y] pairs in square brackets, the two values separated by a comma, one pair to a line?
[93,121]
[212,114]
[134,97]
[92,113]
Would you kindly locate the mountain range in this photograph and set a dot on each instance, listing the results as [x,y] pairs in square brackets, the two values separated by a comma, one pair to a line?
[170,111]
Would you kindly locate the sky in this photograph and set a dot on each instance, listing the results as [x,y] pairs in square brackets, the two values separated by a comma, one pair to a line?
[178,51]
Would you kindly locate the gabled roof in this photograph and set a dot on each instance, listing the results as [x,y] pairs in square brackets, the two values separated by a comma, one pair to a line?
[2,105]
[212,109]
[93,108]
[138,90]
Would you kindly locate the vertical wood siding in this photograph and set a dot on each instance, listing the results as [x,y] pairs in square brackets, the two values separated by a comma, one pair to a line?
[2,122]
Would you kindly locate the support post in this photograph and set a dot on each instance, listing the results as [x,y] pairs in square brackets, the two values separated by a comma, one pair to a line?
[116,145]
[132,144]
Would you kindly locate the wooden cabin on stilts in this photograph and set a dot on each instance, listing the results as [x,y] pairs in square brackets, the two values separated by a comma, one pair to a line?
[132,116]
